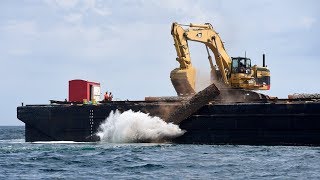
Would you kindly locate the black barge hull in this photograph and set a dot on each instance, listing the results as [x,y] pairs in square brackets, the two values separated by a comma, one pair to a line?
[263,123]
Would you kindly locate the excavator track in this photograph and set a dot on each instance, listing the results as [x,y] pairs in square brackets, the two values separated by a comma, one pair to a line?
[236,95]
[240,96]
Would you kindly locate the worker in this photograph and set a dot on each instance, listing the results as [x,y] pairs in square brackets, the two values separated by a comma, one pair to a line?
[110,96]
[106,96]
[242,68]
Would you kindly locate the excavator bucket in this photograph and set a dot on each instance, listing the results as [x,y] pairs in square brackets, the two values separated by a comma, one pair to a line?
[183,81]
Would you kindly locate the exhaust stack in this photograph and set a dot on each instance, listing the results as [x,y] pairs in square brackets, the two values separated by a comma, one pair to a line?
[263,60]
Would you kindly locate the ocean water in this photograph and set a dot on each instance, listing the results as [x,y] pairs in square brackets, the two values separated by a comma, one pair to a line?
[102,160]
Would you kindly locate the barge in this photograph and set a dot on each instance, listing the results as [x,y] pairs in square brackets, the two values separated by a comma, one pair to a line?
[268,122]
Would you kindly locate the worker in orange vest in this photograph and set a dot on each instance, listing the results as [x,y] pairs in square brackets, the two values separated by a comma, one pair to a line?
[106,96]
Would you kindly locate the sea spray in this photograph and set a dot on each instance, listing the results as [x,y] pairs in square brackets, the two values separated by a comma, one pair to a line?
[129,127]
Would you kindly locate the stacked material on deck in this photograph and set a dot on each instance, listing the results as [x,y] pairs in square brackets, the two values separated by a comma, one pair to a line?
[194,104]
[304,96]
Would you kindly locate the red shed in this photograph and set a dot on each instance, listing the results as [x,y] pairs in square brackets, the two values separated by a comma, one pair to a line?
[81,89]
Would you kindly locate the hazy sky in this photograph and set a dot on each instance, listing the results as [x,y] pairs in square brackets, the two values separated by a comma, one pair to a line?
[127,46]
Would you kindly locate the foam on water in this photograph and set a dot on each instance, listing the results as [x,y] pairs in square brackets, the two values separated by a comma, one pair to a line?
[131,127]
[12,141]
[57,142]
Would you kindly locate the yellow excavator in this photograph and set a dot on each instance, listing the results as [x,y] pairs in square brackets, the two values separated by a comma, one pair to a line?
[228,73]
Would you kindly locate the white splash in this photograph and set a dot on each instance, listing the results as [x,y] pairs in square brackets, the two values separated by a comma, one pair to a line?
[130,127]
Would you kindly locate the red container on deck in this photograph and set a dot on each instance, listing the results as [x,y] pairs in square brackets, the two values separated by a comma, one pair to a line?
[81,89]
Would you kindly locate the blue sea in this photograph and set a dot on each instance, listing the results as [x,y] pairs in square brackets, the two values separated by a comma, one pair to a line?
[69,160]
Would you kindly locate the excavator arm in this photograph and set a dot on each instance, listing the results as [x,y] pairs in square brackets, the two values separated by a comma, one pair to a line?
[206,35]
[181,45]
[183,78]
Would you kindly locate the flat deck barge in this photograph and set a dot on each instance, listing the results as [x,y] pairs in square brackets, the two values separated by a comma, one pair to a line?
[272,122]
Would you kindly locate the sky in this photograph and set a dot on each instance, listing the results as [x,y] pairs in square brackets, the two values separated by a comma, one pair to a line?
[127,46]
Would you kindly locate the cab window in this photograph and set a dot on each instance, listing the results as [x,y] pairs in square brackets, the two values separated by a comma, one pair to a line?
[241,65]
[248,63]
[235,65]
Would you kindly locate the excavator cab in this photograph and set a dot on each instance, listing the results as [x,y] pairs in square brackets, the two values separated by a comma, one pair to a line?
[245,76]
[241,65]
